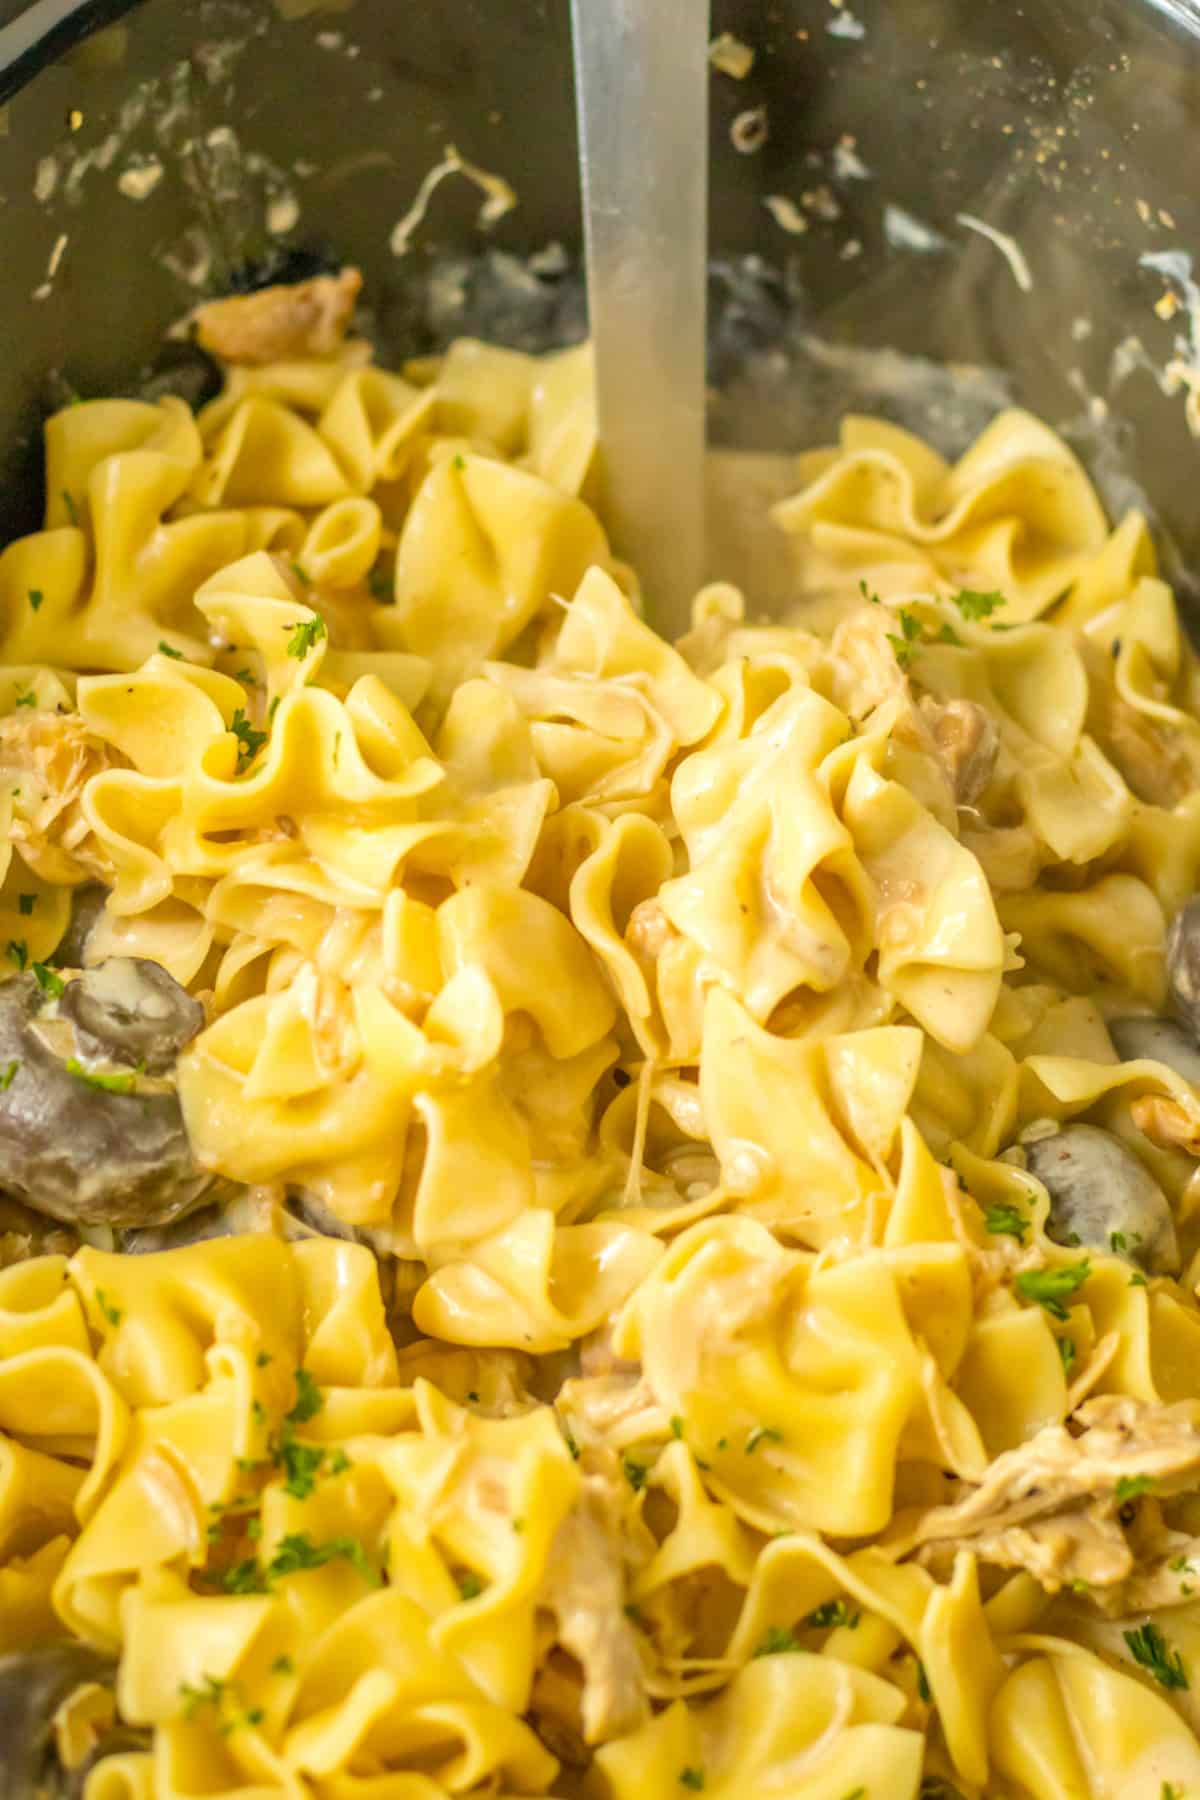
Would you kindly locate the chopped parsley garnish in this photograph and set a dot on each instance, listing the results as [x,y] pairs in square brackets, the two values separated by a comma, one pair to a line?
[306,633]
[262,1359]
[26,903]
[27,698]
[52,985]
[210,1693]
[692,1778]
[339,1462]
[250,741]
[1006,1221]
[834,1612]
[635,1474]
[460,462]
[18,950]
[572,1446]
[283,1665]
[165,649]
[779,1640]
[1138,1281]
[974,605]
[756,1437]
[1169,1791]
[309,1399]
[1068,1353]
[72,509]
[382,583]
[244,1578]
[1050,1287]
[111,1313]
[1130,1486]
[1150,1651]
[1116,1242]
[470,1586]
[246,677]
[947,635]
[110,1084]
[36,597]
[676,1425]
[301,574]
[301,1464]
[7,1073]
[923,1688]
[296,1552]
[905,642]
[869,594]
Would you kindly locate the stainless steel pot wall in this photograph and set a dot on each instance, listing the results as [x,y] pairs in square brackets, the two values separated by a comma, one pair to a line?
[203,142]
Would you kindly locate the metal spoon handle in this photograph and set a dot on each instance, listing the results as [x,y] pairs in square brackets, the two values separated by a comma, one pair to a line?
[641,82]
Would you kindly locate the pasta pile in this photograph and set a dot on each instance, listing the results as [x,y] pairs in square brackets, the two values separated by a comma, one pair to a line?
[673,1023]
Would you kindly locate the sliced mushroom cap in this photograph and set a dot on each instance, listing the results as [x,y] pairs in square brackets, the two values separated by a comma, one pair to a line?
[1102,1198]
[33,1685]
[1183,965]
[131,1011]
[82,1152]
[87,903]
[1159,1040]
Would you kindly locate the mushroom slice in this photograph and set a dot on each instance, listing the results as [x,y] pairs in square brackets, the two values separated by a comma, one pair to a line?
[129,1010]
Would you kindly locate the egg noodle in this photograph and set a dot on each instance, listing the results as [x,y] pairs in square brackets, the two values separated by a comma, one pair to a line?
[670,1386]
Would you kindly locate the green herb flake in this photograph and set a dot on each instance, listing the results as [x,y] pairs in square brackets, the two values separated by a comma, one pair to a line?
[869,594]
[635,1474]
[297,1552]
[1006,1221]
[974,605]
[109,1084]
[36,597]
[460,463]
[309,1399]
[572,1446]
[1138,1281]
[834,1612]
[165,649]
[382,583]
[211,1692]
[676,1425]
[759,1435]
[244,1578]
[1050,1287]
[111,1313]
[18,951]
[470,1586]
[1169,1791]
[692,1778]
[301,1464]
[305,634]
[246,677]
[7,1073]
[1130,1486]
[778,1641]
[26,698]
[262,1359]
[283,1665]
[338,1463]
[1150,1651]
[250,741]
[1116,1242]
[1180,1564]
[1068,1353]
[26,903]
[905,642]
[301,574]
[924,1690]
[68,499]
[254,1530]
[948,635]
[52,985]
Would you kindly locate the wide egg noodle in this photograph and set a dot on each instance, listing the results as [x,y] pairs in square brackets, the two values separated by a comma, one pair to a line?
[671,1021]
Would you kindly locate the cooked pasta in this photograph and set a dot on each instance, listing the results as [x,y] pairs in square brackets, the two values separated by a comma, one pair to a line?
[696,1288]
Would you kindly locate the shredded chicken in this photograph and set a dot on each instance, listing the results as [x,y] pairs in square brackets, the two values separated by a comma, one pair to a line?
[967,741]
[307,318]
[865,670]
[1051,1506]
[49,758]
[616,1410]
[1166,1123]
[584,1589]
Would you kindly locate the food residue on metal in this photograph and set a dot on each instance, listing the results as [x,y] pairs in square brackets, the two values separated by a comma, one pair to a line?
[904,231]
[749,131]
[1008,247]
[499,198]
[786,214]
[731,56]
[141,178]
